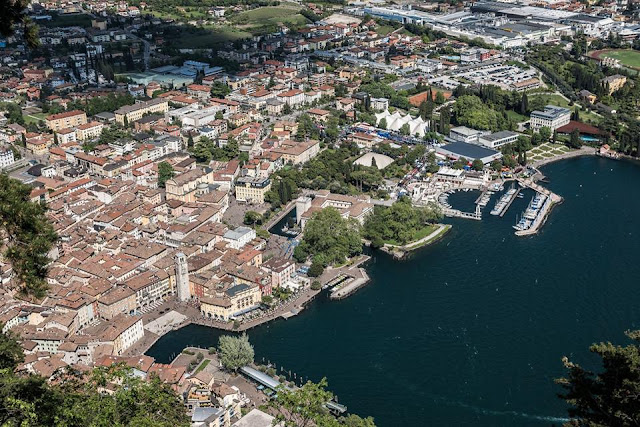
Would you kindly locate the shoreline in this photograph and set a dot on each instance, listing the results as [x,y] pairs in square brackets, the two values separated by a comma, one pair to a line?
[584,151]
[399,252]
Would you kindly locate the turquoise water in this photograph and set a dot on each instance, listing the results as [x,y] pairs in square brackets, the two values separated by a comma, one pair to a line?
[471,330]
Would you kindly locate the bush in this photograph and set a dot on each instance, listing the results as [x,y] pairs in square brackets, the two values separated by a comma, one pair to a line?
[316,285]
[212,350]
[199,357]
[189,352]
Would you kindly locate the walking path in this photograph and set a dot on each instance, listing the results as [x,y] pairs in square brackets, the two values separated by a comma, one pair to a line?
[584,151]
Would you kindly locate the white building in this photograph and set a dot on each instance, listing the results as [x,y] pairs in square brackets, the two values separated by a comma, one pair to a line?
[552,117]
[498,139]
[465,134]
[6,157]
[239,237]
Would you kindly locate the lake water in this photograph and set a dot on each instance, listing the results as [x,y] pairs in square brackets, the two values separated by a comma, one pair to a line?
[471,330]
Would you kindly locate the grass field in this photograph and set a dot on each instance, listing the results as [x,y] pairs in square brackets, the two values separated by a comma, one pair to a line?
[70,20]
[214,35]
[627,57]
[383,30]
[269,15]
[555,99]
[34,118]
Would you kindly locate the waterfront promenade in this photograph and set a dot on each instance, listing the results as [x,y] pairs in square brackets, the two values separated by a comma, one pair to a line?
[584,151]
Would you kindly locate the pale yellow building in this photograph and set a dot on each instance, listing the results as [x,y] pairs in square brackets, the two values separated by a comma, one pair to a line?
[233,301]
[188,185]
[89,131]
[252,189]
[68,119]
[295,152]
[136,111]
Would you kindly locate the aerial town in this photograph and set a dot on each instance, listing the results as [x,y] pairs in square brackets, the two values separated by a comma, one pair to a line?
[191,157]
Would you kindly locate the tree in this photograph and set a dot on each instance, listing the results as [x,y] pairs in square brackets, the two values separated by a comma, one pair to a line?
[75,399]
[252,217]
[165,173]
[219,115]
[125,122]
[574,139]
[610,397]
[382,124]
[496,165]
[306,406]
[316,269]
[235,352]
[477,165]
[399,223]
[190,140]
[220,90]
[10,351]
[13,14]
[286,109]
[545,133]
[440,98]
[404,130]
[27,234]
[329,238]
[524,104]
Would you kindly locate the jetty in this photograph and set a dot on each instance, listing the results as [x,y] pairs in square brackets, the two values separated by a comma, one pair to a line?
[456,213]
[351,283]
[536,215]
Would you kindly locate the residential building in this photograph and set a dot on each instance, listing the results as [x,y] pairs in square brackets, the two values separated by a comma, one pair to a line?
[239,237]
[68,119]
[252,189]
[89,131]
[136,111]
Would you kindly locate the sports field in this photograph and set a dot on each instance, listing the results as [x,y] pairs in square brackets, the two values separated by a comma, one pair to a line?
[627,57]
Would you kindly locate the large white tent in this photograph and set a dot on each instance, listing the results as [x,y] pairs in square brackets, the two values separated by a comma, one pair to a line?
[395,121]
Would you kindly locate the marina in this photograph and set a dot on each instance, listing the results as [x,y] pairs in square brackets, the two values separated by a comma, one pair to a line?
[505,201]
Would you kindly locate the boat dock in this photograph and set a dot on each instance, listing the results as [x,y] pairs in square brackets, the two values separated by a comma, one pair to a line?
[538,210]
[351,283]
[503,204]
[455,213]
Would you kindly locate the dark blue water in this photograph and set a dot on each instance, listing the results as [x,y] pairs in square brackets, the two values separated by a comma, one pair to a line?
[471,330]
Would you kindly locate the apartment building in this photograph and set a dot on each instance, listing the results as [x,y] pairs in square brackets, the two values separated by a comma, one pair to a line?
[68,119]
[252,189]
[89,131]
[136,111]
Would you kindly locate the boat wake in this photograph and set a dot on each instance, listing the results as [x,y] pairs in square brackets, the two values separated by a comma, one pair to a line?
[484,411]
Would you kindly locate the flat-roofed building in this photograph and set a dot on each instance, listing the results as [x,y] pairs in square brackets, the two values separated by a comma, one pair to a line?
[552,117]
[499,139]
